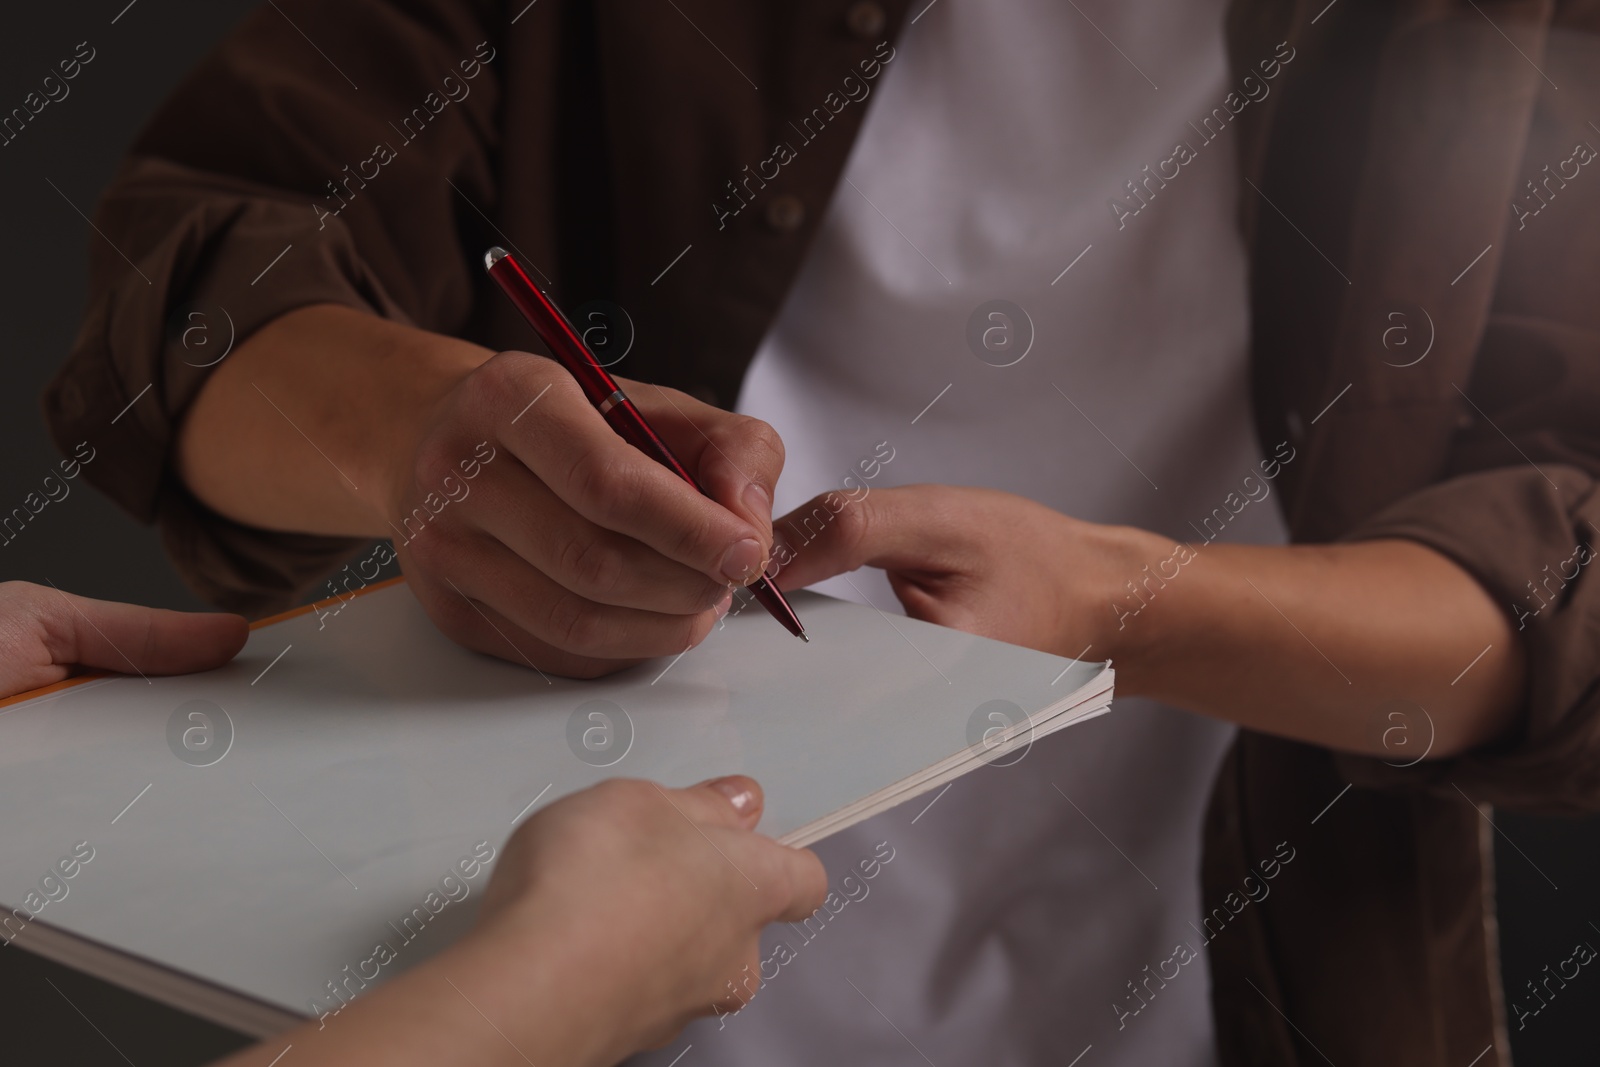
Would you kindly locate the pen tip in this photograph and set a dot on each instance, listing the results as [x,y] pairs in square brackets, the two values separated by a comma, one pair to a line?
[806,639]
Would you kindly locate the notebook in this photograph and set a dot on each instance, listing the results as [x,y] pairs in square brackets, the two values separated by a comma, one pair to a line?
[230,842]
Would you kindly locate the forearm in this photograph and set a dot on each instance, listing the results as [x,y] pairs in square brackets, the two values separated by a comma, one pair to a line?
[301,427]
[1320,643]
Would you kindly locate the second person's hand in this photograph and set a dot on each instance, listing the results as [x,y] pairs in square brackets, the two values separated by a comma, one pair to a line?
[660,896]
[614,917]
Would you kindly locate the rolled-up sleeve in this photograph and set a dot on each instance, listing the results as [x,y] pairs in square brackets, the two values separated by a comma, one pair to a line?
[1528,534]
[252,193]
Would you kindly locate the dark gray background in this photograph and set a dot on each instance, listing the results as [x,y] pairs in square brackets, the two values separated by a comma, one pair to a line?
[1548,873]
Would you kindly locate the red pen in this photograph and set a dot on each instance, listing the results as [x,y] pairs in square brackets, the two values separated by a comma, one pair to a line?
[567,346]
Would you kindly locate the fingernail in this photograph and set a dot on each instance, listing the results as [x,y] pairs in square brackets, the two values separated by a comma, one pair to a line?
[759,501]
[724,604]
[742,562]
[741,796]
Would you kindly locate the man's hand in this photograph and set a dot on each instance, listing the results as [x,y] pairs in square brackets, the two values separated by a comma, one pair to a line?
[527,527]
[572,548]
[46,635]
[978,560]
[1321,643]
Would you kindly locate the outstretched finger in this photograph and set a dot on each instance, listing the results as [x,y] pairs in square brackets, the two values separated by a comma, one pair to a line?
[133,639]
[912,528]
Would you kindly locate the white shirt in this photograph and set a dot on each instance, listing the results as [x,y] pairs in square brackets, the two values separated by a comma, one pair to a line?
[1019,907]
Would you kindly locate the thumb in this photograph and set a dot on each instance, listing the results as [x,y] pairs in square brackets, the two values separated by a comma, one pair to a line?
[136,640]
[911,528]
[734,801]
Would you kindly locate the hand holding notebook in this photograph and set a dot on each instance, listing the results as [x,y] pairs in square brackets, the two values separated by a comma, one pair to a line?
[696,927]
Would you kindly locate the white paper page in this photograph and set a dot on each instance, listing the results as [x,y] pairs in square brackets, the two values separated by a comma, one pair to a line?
[349,774]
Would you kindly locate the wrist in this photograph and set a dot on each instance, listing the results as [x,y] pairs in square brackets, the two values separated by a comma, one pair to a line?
[555,991]
[424,372]
[1151,587]
[307,426]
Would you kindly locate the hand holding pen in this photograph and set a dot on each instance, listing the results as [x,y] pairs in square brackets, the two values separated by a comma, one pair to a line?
[568,348]
[526,527]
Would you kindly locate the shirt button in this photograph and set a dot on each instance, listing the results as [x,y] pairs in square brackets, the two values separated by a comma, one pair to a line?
[865,19]
[785,213]
[705,394]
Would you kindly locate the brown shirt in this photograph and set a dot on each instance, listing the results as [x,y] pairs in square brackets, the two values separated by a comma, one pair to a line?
[1384,175]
